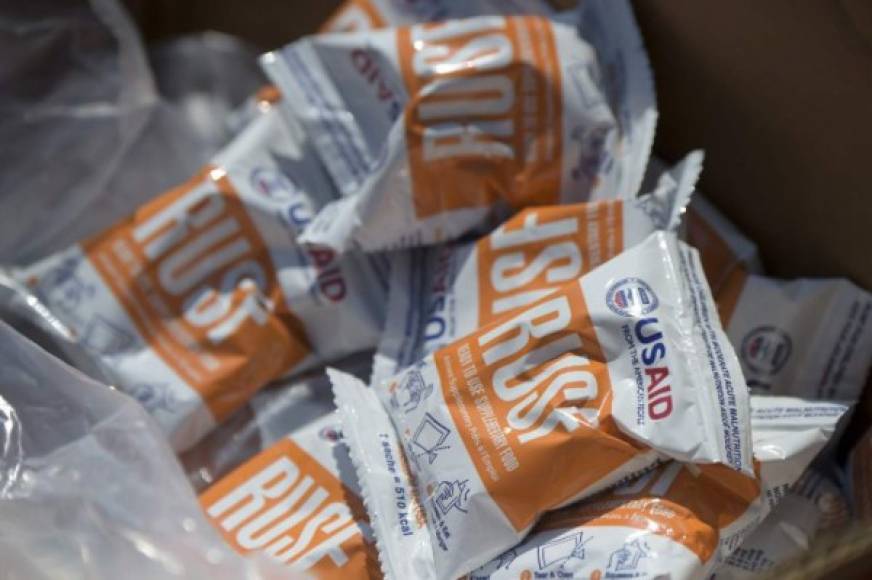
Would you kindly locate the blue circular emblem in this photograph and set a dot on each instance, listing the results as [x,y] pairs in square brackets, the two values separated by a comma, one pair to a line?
[765,350]
[631,297]
[273,184]
[330,434]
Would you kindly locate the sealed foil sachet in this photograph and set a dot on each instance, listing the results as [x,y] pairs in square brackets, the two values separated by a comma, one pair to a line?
[434,130]
[679,520]
[276,481]
[298,503]
[203,295]
[809,337]
[442,293]
[578,391]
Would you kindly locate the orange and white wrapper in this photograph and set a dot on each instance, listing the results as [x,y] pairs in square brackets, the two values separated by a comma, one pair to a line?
[297,502]
[202,296]
[808,338]
[442,293]
[569,396]
[677,521]
[433,130]
[363,15]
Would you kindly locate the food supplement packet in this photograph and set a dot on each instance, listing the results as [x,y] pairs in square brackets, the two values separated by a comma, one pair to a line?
[387,485]
[815,504]
[442,293]
[433,130]
[362,15]
[297,502]
[809,338]
[202,296]
[608,25]
[678,519]
[576,392]
[461,115]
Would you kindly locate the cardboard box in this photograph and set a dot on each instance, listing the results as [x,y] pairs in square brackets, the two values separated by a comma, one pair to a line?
[778,93]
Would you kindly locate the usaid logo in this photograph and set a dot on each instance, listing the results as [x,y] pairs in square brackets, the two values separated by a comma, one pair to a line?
[765,350]
[631,297]
[292,205]
[273,184]
[331,434]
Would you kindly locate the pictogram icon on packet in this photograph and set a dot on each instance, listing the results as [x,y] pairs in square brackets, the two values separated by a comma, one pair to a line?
[679,520]
[586,387]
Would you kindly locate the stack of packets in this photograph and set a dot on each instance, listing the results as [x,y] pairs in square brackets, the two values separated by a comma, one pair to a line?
[570,379]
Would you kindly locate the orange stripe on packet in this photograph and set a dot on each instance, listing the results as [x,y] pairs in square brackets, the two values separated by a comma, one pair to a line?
[536,251]
[285,504]
[485,99]
[575,381]
[196,279]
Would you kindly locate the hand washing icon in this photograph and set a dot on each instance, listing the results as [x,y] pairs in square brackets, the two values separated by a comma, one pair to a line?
[429,438]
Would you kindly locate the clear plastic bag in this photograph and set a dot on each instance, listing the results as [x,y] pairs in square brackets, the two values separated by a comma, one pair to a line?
[89,131]
[89,487]
[77,94]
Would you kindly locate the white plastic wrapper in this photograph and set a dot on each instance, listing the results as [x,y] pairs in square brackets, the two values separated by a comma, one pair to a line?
[689,517]
[608,25]
[809,338]
[203,296]
[363,15]
[311,520]
[443,293]
[434,130]
[298,503]
[603,378]
[813,505]
[89,487]
[676,521]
